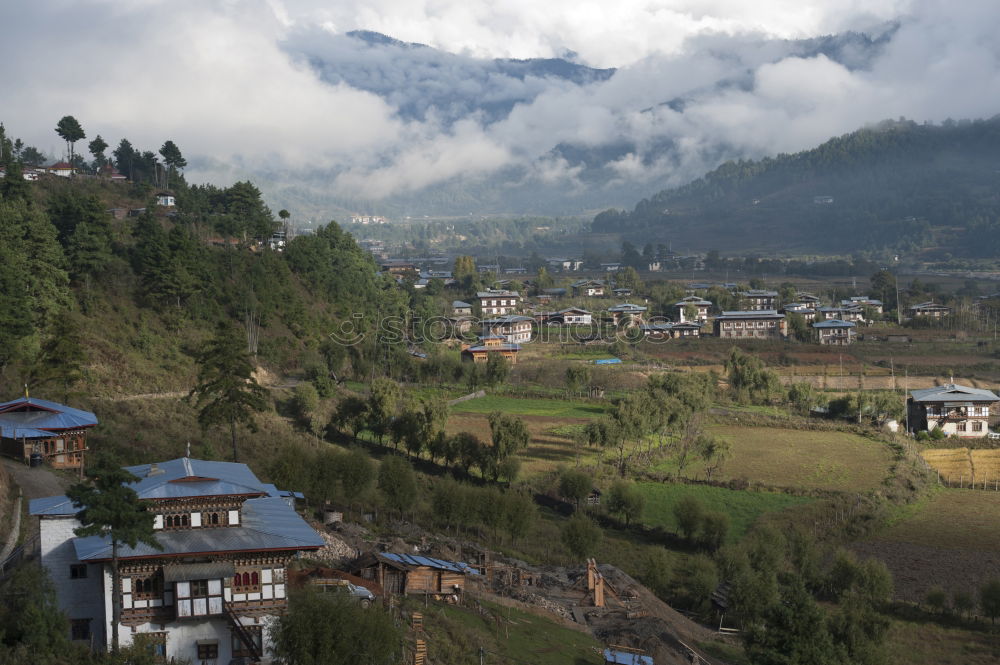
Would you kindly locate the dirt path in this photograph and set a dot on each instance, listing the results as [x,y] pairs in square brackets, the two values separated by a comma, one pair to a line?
[36,482]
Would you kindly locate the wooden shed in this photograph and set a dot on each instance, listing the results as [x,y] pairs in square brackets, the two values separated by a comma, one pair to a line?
[405,573]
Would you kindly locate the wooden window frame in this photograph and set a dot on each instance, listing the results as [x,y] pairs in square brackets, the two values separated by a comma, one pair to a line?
[78,571]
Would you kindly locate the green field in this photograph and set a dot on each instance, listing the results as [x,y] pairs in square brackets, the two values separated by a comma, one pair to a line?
[951,518]
[552,408]
[911,643]
[803,459]
[743,507]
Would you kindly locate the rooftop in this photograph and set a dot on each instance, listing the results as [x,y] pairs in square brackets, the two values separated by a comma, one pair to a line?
[953,392]
[758,314]
[30,417]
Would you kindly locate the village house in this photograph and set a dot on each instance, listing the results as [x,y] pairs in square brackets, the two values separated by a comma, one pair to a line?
[498,302]
[515,329]
[756,323]
[558,264]
[591,288]
[834,332]
[410,574]
[488,268]
[665,330]
[62,169]
[954,409]
[699,306]
[807,313]
[611,267]
[808,299]
[36,430]
[490,344]
[928,310]
[459,308]
[863,301]
[622,292]
[626,313]
[849,313]
[572,316]
[212,590]
[166,199]
[758,300]
[399,268]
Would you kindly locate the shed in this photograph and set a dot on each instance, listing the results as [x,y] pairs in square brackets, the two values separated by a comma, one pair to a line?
[620,656]
[405,573]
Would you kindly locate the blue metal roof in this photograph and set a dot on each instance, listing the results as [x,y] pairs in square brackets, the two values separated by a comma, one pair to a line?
[834,323]
[186,477]
[752,314]
[411,560]
[30,417]
[626,658]
[953,392]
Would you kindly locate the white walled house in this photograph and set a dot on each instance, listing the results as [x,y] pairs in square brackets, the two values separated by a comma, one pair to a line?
[955,409]
[699,306]
[213,591]
[515,329]
[498,301]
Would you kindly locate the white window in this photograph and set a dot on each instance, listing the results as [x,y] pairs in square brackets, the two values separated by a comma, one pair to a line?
[158,522]
[234,517]
[195,519]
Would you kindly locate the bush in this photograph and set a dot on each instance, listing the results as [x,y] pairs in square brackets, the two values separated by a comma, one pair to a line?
[937,434]
[688,513]
[581,536]
[714,529]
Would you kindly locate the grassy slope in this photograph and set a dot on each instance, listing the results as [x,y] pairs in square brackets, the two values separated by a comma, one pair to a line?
[743,507]
[801,459]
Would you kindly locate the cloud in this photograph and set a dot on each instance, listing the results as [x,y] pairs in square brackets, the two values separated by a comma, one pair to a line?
[275,90]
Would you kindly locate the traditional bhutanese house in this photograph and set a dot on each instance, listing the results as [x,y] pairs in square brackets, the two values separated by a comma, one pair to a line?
[928,310]
[459,308]
[55,431]
[808,299]
[63,169]
[572,316]
[757,299]
[213,588]
[834,332]
[802,309]
[591,288]
[848,313]
[497,302]
[488,344]
[763,323]
[952,408]
[514,328]
[405,573]
[700,309]
[622,292]
[669,330]
[863,301]
[626,313]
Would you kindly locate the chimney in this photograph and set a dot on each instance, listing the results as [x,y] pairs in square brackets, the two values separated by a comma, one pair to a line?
[154,470]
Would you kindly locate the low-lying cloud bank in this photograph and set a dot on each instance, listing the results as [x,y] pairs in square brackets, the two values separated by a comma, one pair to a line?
[279,92]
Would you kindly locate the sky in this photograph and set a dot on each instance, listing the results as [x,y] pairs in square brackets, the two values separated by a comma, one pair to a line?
[235,83]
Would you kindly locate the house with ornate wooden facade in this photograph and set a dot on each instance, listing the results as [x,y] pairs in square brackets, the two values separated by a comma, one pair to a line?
[928,310]
[954,409]
[627,313]
[497,302]
[695,305]
[665,330]
[490,344]
[748,324]
[514,328]
[807,313]
[54,433]
[759,299]
[834,332]
[410,574]
[210,592]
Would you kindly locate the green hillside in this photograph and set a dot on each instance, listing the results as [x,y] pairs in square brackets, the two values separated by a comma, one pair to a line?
[898,186]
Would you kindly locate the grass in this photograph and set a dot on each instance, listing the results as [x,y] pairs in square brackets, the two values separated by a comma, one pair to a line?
[508,635]
[951,518]
[553,408]
[743,508]
[795,458]
[911,643]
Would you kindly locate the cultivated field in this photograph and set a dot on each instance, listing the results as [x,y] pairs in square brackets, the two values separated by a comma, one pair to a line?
[962,466]
[550,408]
[743,507]
[950,539]
[798,458]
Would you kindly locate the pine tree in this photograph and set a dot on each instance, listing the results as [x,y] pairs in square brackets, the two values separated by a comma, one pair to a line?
[69,130]
[112,509]
[227,392]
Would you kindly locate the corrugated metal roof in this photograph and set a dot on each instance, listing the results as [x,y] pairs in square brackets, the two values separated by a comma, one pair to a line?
[953,392]
[185,572]
[834,323]
[440,564]
[747,314]
[206,478]
[31,417]
[626,658]
[53,506]
[267,524]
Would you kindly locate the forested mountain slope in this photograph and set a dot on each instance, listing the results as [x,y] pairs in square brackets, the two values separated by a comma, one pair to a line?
[898,186]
